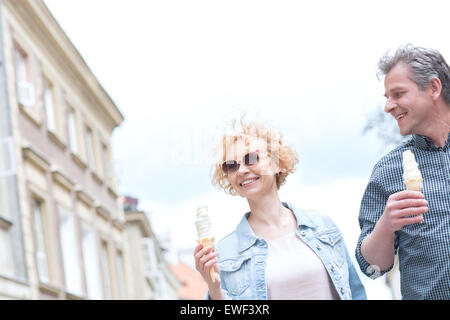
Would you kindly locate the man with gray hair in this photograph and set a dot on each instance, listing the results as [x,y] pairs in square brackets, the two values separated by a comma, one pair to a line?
[415,225]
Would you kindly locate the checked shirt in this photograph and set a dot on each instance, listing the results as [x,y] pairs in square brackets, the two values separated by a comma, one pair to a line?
[423,248]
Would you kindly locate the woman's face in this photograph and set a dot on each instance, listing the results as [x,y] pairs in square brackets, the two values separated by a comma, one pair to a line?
[254,180]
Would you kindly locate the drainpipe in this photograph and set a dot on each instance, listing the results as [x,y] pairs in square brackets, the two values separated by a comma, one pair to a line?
[10,216]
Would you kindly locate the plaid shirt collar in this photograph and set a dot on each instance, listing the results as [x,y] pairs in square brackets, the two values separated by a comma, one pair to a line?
[425,143]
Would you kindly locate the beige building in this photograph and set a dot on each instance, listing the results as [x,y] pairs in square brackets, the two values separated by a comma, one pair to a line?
[151,277]
[62,227]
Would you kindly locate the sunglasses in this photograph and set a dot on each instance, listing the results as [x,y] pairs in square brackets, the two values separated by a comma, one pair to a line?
[249,159]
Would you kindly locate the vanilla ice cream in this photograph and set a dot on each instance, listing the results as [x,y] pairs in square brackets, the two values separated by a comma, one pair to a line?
[203,223]
[204,232]
[411,173]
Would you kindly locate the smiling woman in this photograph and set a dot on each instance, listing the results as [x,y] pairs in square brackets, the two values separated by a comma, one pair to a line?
[277,251]
[252,136]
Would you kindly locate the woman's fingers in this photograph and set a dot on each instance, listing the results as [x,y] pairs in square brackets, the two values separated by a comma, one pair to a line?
[204,258]
[210,259]
[198,248]
[200,253]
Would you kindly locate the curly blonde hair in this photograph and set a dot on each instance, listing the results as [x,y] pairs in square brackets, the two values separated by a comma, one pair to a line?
[285,155]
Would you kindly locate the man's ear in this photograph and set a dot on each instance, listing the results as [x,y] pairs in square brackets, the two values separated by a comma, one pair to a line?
[435,88]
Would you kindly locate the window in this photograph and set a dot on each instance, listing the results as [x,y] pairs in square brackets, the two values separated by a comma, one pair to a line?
[107,170]
[7,174]
[149,256]
[7,197]
[24,85]
[73,136]
[90,151]
[6,257]
[91,264]
[49,102]
[41,241]
[120,276]
[106,272]
[21,60]
[69,248]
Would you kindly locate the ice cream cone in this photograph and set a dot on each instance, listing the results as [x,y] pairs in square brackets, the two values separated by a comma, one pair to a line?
[415,185]
[209,242]
[412,178]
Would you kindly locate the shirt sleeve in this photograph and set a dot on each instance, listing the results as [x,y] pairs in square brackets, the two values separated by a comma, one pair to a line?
[372,207]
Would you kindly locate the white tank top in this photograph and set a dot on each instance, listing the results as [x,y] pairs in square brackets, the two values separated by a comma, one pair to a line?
[295,272]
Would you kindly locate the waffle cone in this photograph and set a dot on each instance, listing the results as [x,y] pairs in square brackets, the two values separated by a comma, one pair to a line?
[415,185]
[209,242]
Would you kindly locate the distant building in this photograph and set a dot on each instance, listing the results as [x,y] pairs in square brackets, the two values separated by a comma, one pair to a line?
[193,287]
[151,278]
[130,203]
[62,228]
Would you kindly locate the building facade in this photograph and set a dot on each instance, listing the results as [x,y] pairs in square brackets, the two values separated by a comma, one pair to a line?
[151,278]
[62,226]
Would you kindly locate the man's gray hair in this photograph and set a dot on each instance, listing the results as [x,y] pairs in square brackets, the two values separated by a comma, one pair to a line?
[425,64]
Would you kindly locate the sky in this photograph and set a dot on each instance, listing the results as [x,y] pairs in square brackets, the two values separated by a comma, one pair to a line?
[181,71]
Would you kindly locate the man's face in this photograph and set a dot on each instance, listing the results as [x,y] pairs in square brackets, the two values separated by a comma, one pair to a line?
[406,102]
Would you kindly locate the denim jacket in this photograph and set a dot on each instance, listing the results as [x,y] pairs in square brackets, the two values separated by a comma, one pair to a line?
[242,258]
